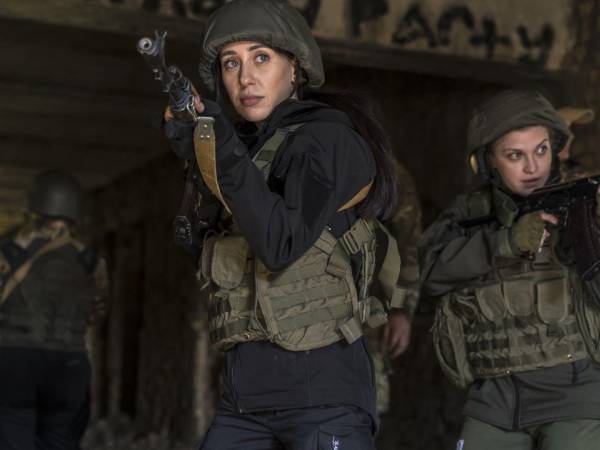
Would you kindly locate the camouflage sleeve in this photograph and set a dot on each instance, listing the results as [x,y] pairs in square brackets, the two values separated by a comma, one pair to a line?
[100,304]
[406,227]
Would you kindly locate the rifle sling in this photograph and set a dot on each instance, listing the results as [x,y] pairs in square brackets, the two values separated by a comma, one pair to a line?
[19,275]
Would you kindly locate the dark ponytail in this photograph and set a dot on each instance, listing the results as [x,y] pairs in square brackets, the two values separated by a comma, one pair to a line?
[383,197]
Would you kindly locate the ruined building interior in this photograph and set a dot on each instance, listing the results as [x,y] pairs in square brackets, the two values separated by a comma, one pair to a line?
[77,96]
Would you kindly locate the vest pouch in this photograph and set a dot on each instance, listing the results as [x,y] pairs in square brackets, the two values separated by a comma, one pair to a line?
[450,345]
[491,302]
[519,297]
[229,261]
[553,300]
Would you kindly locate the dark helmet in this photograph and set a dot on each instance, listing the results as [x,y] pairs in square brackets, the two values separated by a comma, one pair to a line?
[56,194]
[507,111]
[272,23]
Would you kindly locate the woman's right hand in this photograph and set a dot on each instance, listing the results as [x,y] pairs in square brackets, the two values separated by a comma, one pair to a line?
[198,106]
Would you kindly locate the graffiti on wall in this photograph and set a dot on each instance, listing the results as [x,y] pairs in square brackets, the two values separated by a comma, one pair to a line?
[415,25]
[512,30]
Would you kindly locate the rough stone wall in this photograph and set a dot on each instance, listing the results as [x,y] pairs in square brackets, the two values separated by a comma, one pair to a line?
[156,371]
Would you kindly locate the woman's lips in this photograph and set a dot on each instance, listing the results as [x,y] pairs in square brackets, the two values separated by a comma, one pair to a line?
[533,183]
[250,100]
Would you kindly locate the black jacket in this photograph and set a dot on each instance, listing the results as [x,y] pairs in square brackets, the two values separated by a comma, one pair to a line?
[317,169]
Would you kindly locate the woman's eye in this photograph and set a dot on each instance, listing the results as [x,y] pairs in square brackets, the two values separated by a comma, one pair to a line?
[542,149]
[230,64]
[263,57]
[514,156]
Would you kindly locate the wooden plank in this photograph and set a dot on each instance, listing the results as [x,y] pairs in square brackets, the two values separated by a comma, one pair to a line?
[94,16]
[18,98]
[8,194]
[80,134]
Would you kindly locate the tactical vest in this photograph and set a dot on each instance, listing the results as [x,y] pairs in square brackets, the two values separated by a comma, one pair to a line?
[50,307]
[525,316]
[315,301]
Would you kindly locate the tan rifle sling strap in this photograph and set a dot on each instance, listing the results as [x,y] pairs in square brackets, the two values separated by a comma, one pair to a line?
[19,275]
[205,150]
[206,155]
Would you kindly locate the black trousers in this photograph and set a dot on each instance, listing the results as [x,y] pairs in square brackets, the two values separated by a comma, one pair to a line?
[316,428]
[44,399]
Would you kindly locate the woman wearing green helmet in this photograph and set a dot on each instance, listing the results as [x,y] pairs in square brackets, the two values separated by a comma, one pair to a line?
[516,324]
[290,276]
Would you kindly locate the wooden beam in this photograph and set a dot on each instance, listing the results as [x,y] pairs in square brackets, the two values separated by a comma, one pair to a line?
[79,134]
[116,20]
[95,16]
[69,155]
[449,66]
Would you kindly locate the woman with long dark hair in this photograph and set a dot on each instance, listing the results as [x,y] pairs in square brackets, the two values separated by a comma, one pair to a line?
[297,261]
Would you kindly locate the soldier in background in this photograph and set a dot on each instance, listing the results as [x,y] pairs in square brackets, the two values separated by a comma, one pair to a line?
[393,339]
[571,166]
[51,289]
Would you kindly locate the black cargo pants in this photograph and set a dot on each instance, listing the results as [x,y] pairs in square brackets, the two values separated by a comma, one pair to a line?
[315,428]
[44,399]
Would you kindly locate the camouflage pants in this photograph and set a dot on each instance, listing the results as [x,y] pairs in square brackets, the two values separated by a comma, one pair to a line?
[382,371]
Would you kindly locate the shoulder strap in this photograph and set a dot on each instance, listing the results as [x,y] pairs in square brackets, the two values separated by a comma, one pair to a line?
[265,156]
[19,275]
[479,203]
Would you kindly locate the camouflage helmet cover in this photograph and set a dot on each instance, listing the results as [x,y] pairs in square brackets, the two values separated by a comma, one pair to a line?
[56,194]
[272,23]
[507,111]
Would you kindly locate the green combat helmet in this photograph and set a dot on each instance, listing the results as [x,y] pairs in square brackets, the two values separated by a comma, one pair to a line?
[507,111]
[272,23]
[56,194]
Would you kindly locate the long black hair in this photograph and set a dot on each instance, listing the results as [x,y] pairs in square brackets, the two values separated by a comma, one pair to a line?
[383,196]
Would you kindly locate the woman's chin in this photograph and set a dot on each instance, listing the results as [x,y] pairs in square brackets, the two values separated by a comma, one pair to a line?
[254,114]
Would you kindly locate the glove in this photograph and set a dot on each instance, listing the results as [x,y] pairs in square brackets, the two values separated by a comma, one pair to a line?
[527,233]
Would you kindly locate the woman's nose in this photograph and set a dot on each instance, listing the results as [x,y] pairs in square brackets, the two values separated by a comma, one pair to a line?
[246,75]
[531,165]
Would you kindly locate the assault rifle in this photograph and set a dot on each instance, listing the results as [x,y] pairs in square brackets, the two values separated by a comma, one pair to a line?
[180,89]
[574,204]
[181,101]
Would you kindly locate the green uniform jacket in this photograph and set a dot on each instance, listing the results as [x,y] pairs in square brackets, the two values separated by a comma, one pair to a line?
[452,258]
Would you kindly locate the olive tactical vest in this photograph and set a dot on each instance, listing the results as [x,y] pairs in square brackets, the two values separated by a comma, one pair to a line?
[312,303]
[527,315]
[50,307]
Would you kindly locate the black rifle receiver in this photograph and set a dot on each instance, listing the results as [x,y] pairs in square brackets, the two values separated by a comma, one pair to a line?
[180,89]
[557,199]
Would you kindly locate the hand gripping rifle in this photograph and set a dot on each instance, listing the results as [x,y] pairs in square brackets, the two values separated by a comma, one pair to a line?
[181,102]
[574,203]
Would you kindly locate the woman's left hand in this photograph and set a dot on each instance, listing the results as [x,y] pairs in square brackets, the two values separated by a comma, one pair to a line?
[396,334]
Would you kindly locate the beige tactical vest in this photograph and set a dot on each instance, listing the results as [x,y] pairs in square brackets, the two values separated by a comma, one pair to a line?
[314,302]
[528,315]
